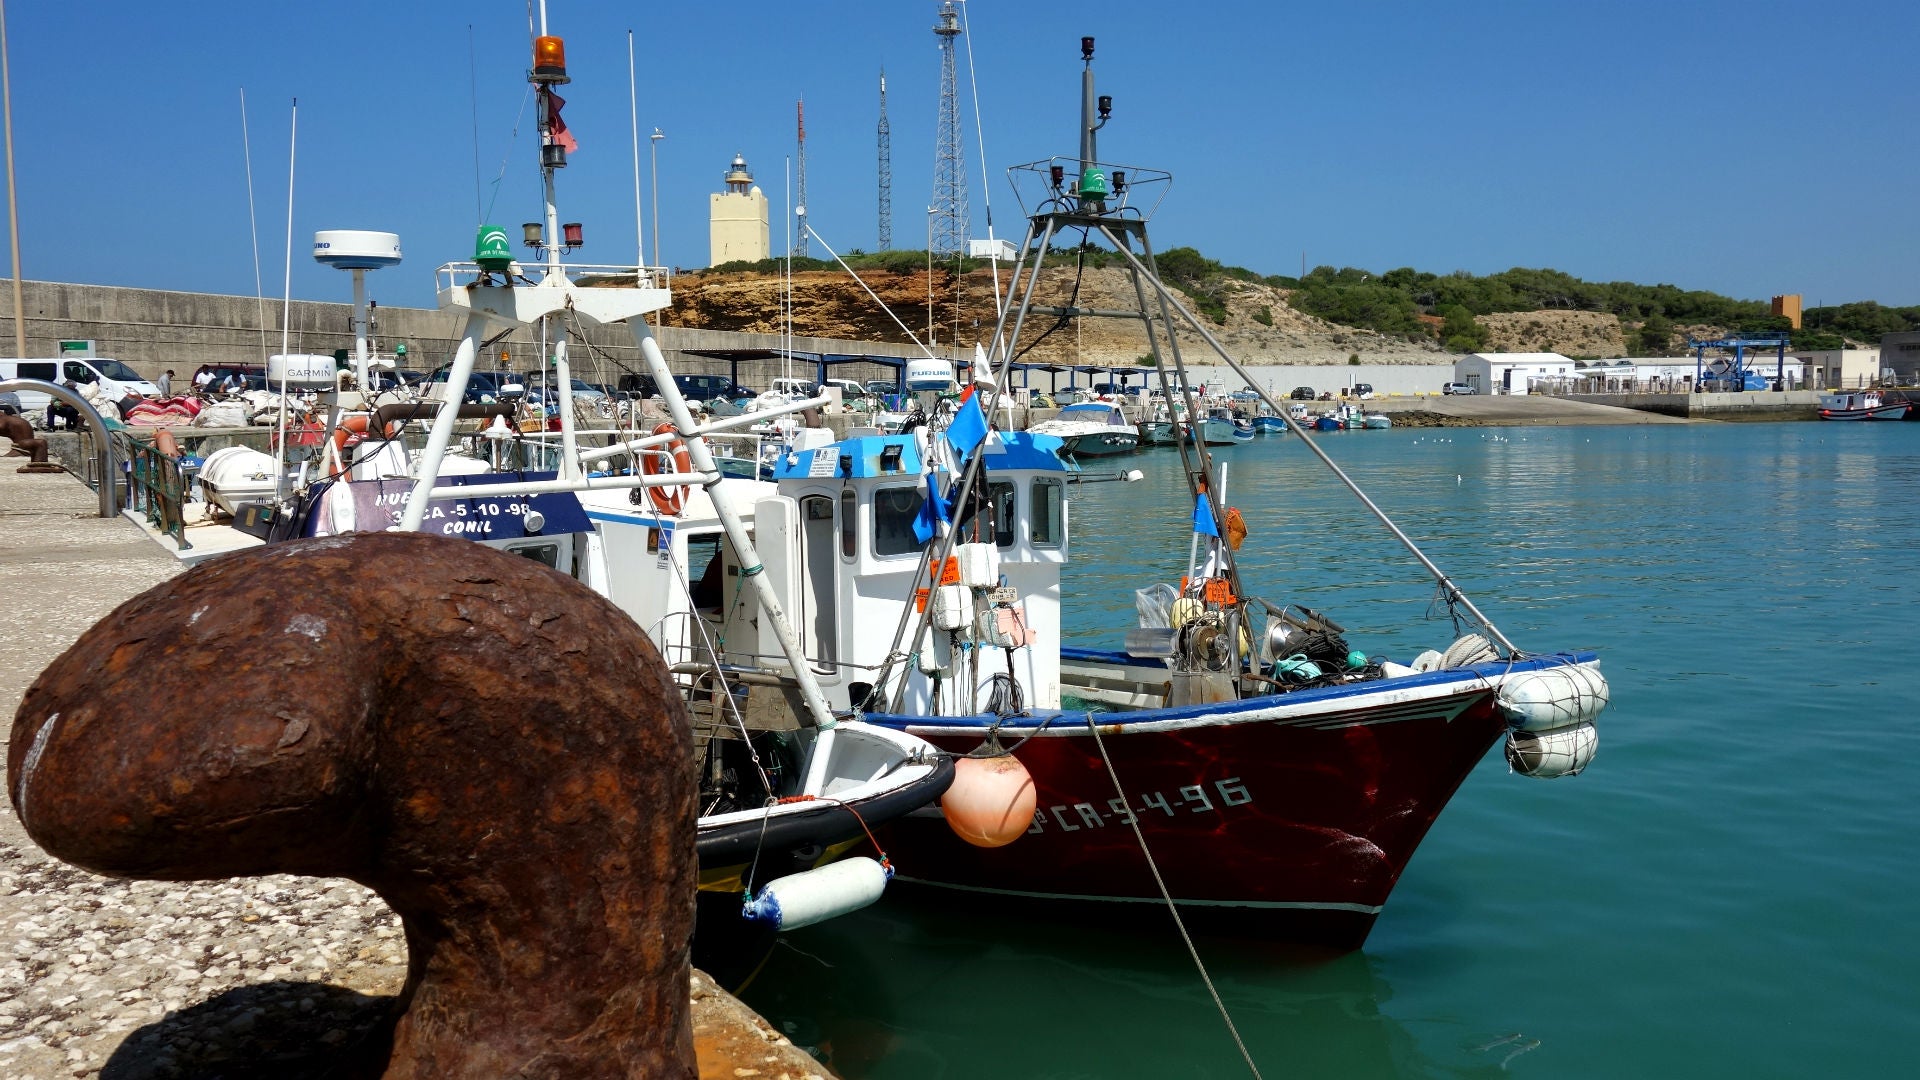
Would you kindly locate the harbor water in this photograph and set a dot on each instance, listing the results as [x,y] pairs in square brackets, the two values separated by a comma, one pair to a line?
[1730,889]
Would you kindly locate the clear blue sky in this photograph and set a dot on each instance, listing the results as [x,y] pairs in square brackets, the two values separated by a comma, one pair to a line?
[1748,148]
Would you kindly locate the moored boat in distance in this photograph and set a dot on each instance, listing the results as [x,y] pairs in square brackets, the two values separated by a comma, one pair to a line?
[1092,429]
[1861,405]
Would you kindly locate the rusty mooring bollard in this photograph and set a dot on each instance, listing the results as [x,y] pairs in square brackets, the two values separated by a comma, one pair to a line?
[490,746]
[26,444]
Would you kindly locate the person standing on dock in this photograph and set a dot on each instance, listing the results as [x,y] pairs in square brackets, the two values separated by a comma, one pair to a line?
[165,383]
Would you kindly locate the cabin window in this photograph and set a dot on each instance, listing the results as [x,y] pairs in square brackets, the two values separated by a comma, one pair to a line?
[544,554]
[894,510]
[818,599]
[849,523]
[998,502]
[1047,518]
[705,576]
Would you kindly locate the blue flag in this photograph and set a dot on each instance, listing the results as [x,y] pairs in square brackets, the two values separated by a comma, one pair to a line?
[933,511]
[1203,516]
[969,427]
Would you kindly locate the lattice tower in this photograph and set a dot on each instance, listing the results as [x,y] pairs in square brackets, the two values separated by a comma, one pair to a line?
[949,210]
[800,182]
[886,171]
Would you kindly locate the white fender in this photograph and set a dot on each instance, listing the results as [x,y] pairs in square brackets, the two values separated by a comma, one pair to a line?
[1553,698]
[820,894]
[1549,755]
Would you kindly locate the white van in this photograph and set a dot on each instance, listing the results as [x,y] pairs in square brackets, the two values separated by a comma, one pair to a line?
[116,380]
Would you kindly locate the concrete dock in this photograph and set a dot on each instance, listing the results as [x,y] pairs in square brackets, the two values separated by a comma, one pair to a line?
[137,979]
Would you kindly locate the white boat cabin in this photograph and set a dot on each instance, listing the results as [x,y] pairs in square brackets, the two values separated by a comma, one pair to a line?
[835,532]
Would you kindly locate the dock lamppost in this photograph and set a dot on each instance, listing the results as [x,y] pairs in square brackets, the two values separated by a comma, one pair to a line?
[653,145]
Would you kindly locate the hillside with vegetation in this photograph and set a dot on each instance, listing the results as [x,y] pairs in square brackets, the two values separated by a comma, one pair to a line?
[1329,316]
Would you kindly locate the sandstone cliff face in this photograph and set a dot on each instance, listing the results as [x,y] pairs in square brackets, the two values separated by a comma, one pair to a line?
[1260,327]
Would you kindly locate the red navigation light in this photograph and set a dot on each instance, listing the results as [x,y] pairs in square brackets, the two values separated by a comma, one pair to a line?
[571,230]
[549,60]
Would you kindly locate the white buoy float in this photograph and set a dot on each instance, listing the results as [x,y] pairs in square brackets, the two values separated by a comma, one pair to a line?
[1549,755]
[1553,698]
[819,894]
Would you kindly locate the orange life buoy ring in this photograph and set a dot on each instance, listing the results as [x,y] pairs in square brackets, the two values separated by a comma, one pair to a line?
[352,429]
[653,463]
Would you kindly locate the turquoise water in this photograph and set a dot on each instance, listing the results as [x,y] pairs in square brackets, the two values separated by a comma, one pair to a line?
[1730,890]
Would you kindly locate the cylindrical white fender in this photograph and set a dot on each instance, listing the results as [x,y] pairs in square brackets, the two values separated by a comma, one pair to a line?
[1553,697]
[1548,755]
[820,894]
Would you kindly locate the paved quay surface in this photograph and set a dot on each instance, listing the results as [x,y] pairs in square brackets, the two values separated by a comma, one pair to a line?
[136,979]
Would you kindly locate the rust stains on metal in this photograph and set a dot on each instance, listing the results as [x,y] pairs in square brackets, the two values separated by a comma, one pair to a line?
[492,747]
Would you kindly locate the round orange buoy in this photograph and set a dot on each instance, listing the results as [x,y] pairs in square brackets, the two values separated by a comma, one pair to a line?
[1236,528]
[991,801]
[668,499]
[164,444]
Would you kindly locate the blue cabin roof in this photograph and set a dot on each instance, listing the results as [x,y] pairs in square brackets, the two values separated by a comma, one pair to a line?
[870,456]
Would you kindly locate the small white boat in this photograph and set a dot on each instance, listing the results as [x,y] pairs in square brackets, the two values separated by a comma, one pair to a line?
[1861,405]
[1092,429]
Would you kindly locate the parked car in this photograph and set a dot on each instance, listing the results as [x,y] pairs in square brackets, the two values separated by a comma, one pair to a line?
[481,385]
[1459,388]
[1303,393]
[710,387]
[883,387]
[1360,390]
[849,390]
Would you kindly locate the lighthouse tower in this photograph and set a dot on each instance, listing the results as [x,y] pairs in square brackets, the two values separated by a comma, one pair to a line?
[737,219]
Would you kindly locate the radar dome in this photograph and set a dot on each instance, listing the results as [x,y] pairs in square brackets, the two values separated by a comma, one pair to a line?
[355,249]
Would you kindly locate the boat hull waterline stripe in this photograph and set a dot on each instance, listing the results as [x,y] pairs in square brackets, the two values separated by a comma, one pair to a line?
[1267,905]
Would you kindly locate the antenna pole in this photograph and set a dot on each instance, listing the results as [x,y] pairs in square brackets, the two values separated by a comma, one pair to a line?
[949,233]
[13,210]
[286,310]
[633,113]
[886,170]
[800,180]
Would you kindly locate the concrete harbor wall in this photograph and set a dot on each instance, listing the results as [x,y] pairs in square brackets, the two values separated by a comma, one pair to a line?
[154,329]
[1746,405]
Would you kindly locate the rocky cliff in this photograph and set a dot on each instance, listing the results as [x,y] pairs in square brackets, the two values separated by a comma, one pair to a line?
[1259,326]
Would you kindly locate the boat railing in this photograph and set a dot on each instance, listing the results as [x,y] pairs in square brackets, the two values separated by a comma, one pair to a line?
[156,487]
[459,275]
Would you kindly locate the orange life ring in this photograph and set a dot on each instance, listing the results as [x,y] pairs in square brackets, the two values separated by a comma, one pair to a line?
[354,428]
[653,463]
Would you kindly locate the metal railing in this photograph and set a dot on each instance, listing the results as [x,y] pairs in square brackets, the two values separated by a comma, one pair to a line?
[156,487]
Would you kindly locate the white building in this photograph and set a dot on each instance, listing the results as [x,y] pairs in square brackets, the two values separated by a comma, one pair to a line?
[1511,373]
[1670,374]
[737,219]
[1841,369]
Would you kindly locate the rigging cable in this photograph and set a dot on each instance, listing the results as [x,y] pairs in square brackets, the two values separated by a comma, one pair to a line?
[1173,909]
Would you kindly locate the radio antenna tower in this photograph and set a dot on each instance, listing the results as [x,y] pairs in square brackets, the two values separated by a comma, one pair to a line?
[886,171]
[800,180]
[949,172]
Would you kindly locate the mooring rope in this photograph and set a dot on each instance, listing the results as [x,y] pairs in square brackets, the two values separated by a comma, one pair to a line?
[1134,821]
